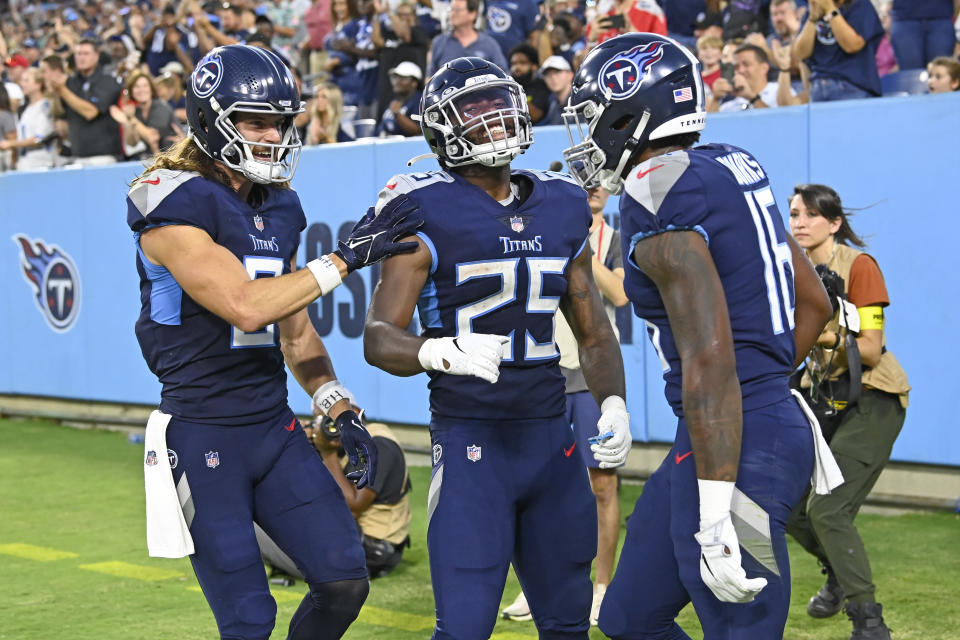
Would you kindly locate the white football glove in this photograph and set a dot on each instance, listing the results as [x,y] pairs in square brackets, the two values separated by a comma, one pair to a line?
[611,451]
[472,354]
[720,567]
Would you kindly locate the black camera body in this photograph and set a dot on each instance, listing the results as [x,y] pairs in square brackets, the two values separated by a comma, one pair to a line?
[327,428]
[833,283]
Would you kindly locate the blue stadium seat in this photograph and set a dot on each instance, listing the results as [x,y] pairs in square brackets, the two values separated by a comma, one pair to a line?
[904,83]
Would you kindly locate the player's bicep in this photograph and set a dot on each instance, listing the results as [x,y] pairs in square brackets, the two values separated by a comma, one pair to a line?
[402,278]
[205,270]
[680,264]
[581,304]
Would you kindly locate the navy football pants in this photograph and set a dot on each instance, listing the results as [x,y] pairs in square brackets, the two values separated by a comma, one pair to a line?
[270,473]
[659,568]
[509,491]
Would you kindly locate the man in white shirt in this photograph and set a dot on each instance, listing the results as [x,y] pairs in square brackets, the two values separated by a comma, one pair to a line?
[750,88]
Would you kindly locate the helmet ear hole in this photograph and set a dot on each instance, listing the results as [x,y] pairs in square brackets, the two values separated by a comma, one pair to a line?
[622,122]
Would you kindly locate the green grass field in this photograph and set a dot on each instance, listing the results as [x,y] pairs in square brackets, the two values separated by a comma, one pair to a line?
[73,559]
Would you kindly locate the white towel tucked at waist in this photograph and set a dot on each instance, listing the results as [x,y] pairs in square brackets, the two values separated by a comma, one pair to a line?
[167,533]
[826,474]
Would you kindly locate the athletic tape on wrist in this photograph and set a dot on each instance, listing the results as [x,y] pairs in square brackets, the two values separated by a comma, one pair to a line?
[325,273]
[329,394]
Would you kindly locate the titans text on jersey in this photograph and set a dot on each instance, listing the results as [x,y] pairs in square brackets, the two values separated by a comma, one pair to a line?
[196,354]
[497,268]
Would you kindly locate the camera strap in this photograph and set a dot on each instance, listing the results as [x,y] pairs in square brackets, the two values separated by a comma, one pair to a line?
[854,367]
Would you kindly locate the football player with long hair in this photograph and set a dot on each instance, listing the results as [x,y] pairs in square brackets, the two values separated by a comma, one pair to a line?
[732,305]
[217,229]
[500,250]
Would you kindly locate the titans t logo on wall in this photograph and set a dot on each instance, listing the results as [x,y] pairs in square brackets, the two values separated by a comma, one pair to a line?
[55,281]
[622,75]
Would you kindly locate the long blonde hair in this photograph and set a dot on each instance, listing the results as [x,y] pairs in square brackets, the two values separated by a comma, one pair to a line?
[187,155]
[328,122]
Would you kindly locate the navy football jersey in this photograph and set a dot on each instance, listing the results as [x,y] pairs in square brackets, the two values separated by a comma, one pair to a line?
[497,268]
[722,193]
[211,371]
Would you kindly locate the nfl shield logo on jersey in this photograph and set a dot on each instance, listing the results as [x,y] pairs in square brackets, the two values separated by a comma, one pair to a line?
[151,458]
[473,453]
[212,458]
[258,222]
[516,223]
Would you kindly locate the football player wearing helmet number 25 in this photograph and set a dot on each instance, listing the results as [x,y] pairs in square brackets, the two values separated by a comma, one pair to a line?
[498,253]
[730,301]
[223,309]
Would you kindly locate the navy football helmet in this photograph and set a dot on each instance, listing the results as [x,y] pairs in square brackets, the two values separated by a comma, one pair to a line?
[629,90]
[243,79]
[473,113]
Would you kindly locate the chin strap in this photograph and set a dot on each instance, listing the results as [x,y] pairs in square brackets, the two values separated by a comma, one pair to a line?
[422,156]
[613,181]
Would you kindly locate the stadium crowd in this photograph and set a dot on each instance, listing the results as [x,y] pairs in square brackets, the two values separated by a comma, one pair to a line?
[99,81]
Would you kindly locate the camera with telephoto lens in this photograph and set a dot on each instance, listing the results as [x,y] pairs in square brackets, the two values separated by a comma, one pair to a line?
[833,283]
[327,428]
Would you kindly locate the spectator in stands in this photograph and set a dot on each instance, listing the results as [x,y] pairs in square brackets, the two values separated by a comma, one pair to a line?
[170,41]
[397,119]
[124,57]
[624,16]
[839,42]
[558,75]
[512,22]
[87,97]
[30,50]
[231,29]
[523,68]
[361,46]
[708,23]
[944,75]
[922,30]
[289,29]
[382,510]
[750,88]
[263,40]
[562,35]
[325,123]
[400,38]
[170,90]
[709,49]
[886,59]
[8,132]
[341,65]
[35,131]
[861,399]
[148,123]
[744,17]
[682,16]
[319,20]
[464,40]
[15,66]
[785,20]
[787,91]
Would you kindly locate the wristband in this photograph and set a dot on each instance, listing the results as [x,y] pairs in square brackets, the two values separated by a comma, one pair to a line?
[325,273]
[329,394]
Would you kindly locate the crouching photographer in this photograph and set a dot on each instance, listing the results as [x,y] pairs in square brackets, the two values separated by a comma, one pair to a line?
[859,392]
[381,509]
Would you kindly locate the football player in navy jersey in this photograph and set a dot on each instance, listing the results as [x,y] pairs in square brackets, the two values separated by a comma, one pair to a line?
[499,251]
[732,306]
[223,309]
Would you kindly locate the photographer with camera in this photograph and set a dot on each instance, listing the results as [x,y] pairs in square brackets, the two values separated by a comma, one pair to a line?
[859,393]
[381,509]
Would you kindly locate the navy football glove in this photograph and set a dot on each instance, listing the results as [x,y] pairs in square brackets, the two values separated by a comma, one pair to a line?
[374,237]
[360,448]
